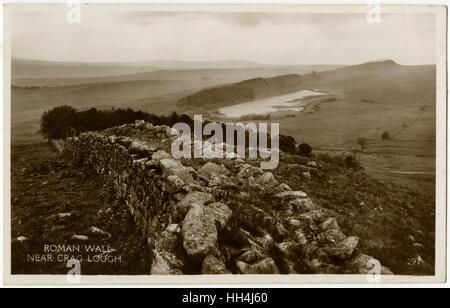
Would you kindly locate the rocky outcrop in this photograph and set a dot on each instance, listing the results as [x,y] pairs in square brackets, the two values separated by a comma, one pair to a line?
[204,216]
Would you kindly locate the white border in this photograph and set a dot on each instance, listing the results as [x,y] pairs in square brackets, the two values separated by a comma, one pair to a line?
[279,280]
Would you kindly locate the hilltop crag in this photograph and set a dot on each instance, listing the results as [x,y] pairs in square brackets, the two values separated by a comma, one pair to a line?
[240,92]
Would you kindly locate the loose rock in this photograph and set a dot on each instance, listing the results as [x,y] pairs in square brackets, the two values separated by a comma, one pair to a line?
[248,170]
[199,234]
[330,223]
[173,167]
[212,265]
[250,256]
[266,266]
[211,170]
[160,154]
[22,238]
[141,147]
[79,237]
[219,212]
[331,237]
[302,205]
[282,188]
[345,249]
[174,184]
[97,231]
[292,194]
[162,266]
[266,180]
[362,264]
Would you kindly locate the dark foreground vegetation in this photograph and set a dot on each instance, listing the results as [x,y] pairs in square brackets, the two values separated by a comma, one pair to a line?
[53,199]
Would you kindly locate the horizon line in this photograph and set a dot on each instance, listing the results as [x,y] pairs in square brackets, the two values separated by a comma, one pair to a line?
[211,61]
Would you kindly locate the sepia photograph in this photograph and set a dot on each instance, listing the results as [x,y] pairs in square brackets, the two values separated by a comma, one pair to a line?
[224,143]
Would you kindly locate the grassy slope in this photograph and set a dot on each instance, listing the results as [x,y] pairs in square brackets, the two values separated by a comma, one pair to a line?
[371,98]
[44,185]
[374,99]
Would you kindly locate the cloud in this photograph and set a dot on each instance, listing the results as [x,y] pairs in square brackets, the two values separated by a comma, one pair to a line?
[107,34]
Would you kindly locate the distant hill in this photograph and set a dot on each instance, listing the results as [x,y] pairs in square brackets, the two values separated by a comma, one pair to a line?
[224,64]
[25,68]
[209,76]
[26,73]
[232,64]
[243,91]
[361,78]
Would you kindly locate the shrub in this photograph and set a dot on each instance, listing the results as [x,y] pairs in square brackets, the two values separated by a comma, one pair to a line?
[343,160]
[260,117]
[304,149]
[352,163]
[56,123]
[362,143]
[386,136]
[287,144]
[65,121]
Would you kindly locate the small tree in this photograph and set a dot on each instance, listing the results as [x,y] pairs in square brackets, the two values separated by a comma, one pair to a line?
[57,122]
[352,162]
[362,143]
[386,136]
[304,149]
[287,144]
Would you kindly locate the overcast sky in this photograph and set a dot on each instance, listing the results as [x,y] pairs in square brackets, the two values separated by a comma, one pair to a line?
[106,35]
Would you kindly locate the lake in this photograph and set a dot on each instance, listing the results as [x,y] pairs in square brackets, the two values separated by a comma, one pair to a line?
[291,102]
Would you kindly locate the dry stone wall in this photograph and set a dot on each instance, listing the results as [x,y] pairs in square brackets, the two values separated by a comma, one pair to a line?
[191,212]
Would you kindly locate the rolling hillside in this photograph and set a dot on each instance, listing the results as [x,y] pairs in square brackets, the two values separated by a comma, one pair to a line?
[243,91]
[32,73]
[371,99]
[150,86]
[356,80]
